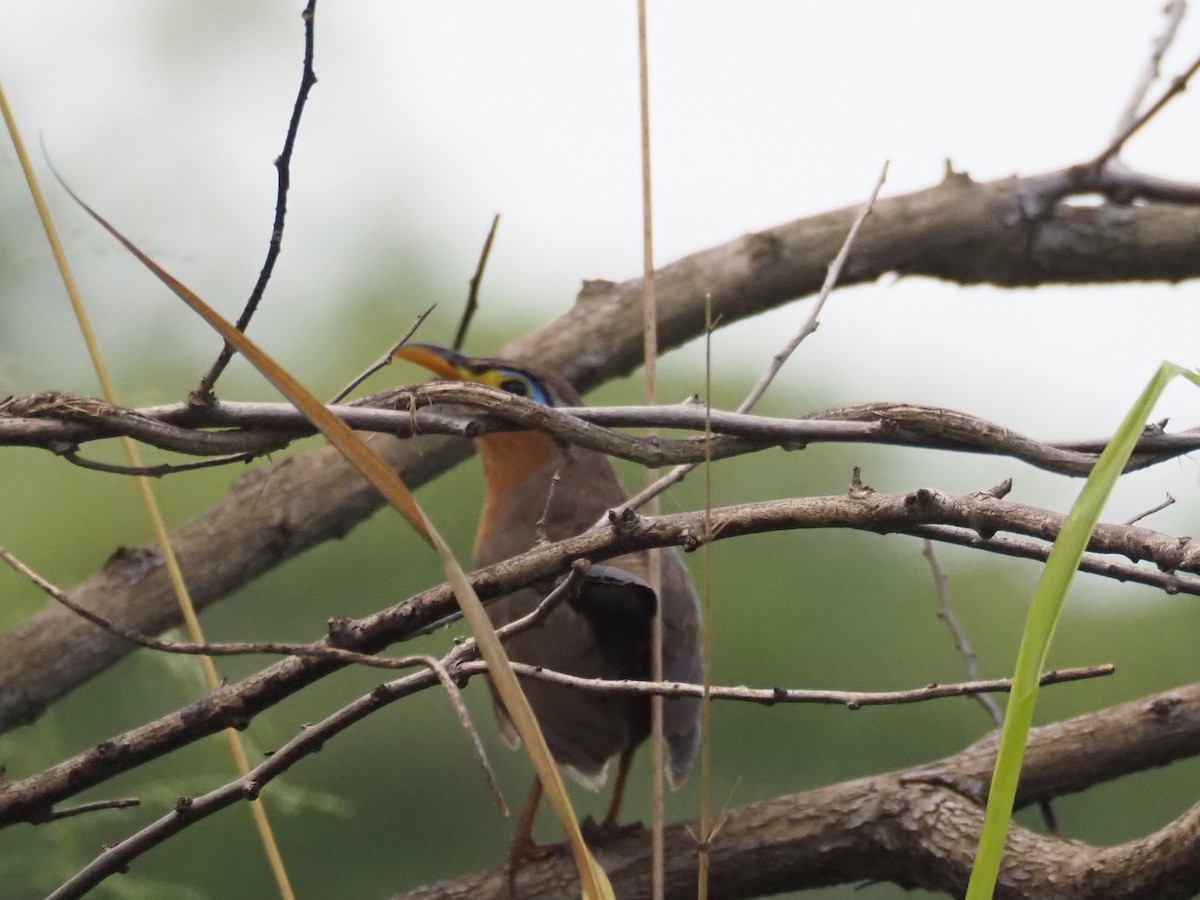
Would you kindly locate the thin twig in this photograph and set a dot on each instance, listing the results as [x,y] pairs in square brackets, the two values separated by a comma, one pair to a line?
[540,525]
[438,667]
[383,361]
[188,811]
[1151,511]
[1173,12]
[1092,563]
[832,274]
[851,700]
[460,336]
[95,806]
[946,614]
[197,648]
[971,661]
[566,589]
[158,471]
[1177,86]
[203,395]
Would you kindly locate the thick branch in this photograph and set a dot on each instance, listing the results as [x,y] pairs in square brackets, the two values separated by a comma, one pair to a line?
[961,231]
[918,828]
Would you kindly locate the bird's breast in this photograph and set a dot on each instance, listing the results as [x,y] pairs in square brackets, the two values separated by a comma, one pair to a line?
[517,470]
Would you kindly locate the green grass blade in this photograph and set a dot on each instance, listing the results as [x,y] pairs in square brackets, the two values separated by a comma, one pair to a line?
[1040,623]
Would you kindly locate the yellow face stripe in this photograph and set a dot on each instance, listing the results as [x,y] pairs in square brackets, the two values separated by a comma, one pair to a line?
[450,364]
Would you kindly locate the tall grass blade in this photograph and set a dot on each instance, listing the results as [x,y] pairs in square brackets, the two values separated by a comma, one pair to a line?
[1043,616]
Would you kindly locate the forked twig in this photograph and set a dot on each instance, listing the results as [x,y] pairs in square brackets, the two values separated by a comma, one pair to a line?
[678,473]
[1177,86]
[1173,11]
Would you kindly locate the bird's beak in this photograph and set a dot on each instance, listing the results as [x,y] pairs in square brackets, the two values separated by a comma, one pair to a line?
[441,361]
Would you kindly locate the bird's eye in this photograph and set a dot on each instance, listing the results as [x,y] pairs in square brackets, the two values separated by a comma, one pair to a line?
[516,386]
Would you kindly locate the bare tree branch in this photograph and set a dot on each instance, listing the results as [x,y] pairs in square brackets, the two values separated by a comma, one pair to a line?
[1009,233]
[237,704]
[54,651]
[53,420]
[966,232]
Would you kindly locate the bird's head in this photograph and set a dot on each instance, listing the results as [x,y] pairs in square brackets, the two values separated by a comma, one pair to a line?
[497,373]
[518,466]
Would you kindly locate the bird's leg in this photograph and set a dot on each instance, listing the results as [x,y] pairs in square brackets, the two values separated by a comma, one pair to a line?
[614,808]
[524,848]
[610,828]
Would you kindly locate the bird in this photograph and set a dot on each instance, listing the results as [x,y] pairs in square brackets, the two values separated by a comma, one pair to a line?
[538,488]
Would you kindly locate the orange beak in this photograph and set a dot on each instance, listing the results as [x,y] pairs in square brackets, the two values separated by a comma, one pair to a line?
[441,361]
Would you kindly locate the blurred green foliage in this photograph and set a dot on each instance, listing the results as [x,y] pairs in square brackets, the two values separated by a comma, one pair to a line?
[399,800]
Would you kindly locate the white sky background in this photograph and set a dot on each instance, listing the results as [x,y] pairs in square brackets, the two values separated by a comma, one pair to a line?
[429,117]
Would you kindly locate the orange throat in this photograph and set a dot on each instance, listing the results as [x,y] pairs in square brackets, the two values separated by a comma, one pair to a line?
[508,459]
